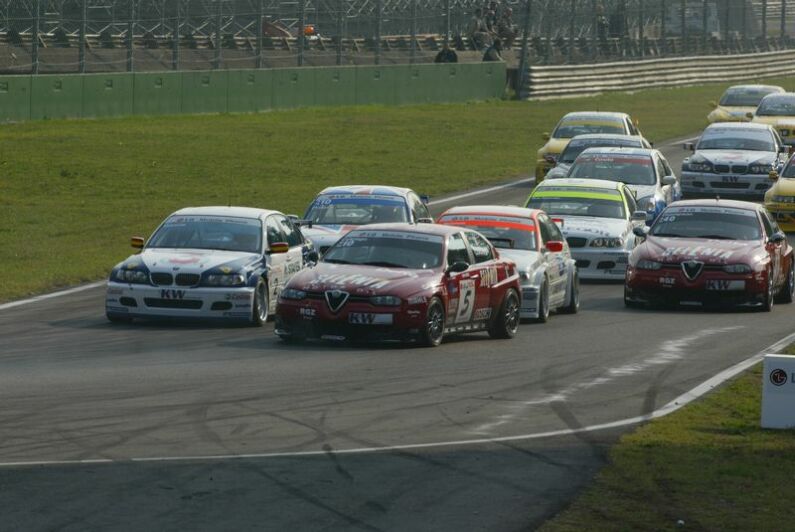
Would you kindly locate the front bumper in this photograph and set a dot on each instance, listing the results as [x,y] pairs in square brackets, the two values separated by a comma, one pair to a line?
[729,183]
[600,263]
[784,214]
[712,287]
[144,301]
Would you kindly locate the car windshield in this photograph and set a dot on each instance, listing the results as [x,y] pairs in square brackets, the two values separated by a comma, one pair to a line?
[209,232]
[744,97]
[357,209]
[736,139]
[571,127]
[708,222]
[776,107]
[624,168]
[389,249]
[599,203]
[506,232]
[576,147]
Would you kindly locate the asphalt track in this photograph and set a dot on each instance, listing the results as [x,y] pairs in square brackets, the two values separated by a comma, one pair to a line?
[184,427]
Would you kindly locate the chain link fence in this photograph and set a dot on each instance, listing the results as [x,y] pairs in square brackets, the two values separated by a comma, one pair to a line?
[62,36]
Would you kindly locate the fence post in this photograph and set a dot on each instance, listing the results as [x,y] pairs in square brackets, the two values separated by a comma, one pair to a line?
[446,22]
[341,30]
[217,56]
[260,20]
[379,7]
[783,21]
[641,35]
[521,78]
[704,29]
[34,48]
[301,25]
[82,43]
[726,22]
[683,30]
[764,23]
[175,36]
[130,43]
[597,21]
[572,16]
[663,42]
[744,24]
[413,49]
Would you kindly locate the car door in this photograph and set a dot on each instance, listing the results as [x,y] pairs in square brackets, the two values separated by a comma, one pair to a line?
[667,190]
[484,272]
[460,286]
[774,250]
[294,260]
[555,261]
[277,262]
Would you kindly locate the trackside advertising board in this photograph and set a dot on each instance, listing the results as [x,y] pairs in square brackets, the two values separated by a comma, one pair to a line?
[778,392]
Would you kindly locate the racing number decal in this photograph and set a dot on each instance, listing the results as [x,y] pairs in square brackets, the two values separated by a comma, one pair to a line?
[466,301]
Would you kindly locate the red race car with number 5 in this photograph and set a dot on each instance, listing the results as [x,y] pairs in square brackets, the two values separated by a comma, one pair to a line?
[402,282]
[717,252]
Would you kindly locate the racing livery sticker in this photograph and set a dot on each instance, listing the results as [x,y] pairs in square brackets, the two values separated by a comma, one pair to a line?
[467,302]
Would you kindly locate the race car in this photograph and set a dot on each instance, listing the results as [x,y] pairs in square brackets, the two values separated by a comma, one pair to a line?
[738,101]
[531,240]
[733,158]
[403,282]
[646,172]
[597,219]
[778,110]
[711,252]
[337,210]
[580,123]
[780,198]
[582,142]
[226,263]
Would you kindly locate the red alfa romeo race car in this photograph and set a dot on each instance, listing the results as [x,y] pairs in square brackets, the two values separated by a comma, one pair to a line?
[718,252]
[402,282]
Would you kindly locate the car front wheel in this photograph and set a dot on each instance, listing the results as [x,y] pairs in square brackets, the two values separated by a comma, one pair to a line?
[433,334]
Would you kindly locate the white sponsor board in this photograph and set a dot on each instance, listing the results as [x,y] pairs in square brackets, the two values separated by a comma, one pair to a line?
[778,392]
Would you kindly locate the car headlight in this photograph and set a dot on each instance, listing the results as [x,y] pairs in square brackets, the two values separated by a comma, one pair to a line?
[760,168]
[783,199]
[607,242]
[645,264]
[737,268]
[699,166]
[292,293]
[385,301]
[132,276]
[225,279]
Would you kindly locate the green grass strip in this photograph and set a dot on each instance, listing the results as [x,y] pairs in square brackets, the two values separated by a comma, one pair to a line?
[708,465]
[73,192]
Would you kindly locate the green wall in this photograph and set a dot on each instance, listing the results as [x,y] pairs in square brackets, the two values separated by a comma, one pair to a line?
[220,91]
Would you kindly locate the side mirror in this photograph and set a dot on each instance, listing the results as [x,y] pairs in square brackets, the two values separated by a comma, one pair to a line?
[713,104]
[690,146]
[777,238]
[425,198]
[772,175]
[749,115]
[554,246]
[636,122]
[545,136]
[299,222]
[277,248]
[458,267]
[783,149]
[641,231]
[424,220]
[668,180]
[137,242]
[550,159]
[639,216]
[312,256]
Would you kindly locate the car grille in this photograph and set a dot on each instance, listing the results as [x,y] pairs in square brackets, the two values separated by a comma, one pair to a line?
[192,304]
[159,278]
[739,169]
[722,168]
[577,242]
[721,184]
[583,263]
[187,279]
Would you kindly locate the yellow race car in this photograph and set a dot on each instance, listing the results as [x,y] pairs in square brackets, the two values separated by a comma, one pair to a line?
[580,123]
[738,101]
[780,198]
[778,110]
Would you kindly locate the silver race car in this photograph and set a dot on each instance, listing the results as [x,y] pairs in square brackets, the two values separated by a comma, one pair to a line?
[226,263]
[596,140]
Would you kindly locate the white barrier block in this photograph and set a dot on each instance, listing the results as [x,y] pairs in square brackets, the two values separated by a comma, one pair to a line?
[778,392]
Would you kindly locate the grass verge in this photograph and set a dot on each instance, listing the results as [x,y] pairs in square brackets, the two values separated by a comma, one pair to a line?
[72,192]
[708,465]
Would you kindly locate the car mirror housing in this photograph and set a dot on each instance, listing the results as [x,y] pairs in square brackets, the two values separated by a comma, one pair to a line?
[713,104]
[783,149]
[137,242]
[777,238]
[641,231]
[425,198]
[669,180]
[554,246]
[545,136]
[312,256]
[458,267]
[772,175]
[277,248]
[690,146]
[639,216]
[749,115]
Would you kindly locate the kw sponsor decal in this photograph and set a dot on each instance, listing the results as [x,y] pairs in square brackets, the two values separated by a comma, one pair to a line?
[172,294]
[731,179]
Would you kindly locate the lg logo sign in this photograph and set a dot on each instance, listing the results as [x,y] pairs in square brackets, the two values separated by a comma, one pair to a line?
[778,377]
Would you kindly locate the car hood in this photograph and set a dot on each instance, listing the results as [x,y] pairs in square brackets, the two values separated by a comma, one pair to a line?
[326,235]
[736,156]
[715,252]
[189,260]
[553,146]
[643,191]
[592,227]
[736,111]
[558,171]
[365,280]
[784,186]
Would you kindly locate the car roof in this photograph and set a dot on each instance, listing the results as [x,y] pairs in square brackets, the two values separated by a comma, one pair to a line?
[607,136]
[620,150]
[366,190]
[576,182]
[783,96]
[717,202]
[598,114]
[238,212]
[494,210]
[430,229]
[738,125]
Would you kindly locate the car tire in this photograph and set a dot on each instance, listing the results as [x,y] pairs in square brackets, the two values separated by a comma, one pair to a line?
[543,303]
[767,304]
[574,297]
[787,293]
[506,322]
[433,333]
[261,301]
[117,318]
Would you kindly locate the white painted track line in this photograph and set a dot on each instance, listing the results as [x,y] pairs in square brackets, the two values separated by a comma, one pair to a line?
[43,297]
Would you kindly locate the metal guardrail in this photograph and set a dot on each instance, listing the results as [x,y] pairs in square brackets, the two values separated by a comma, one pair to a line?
[562,81]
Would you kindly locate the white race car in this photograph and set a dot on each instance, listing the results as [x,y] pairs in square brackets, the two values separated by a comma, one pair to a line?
[534,243]
[337,210]
[597,218]
[226,263]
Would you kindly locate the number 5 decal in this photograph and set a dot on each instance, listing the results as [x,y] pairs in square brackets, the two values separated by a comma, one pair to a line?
[467,300]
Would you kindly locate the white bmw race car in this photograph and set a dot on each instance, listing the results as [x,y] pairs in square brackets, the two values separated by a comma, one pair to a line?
[227,263]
